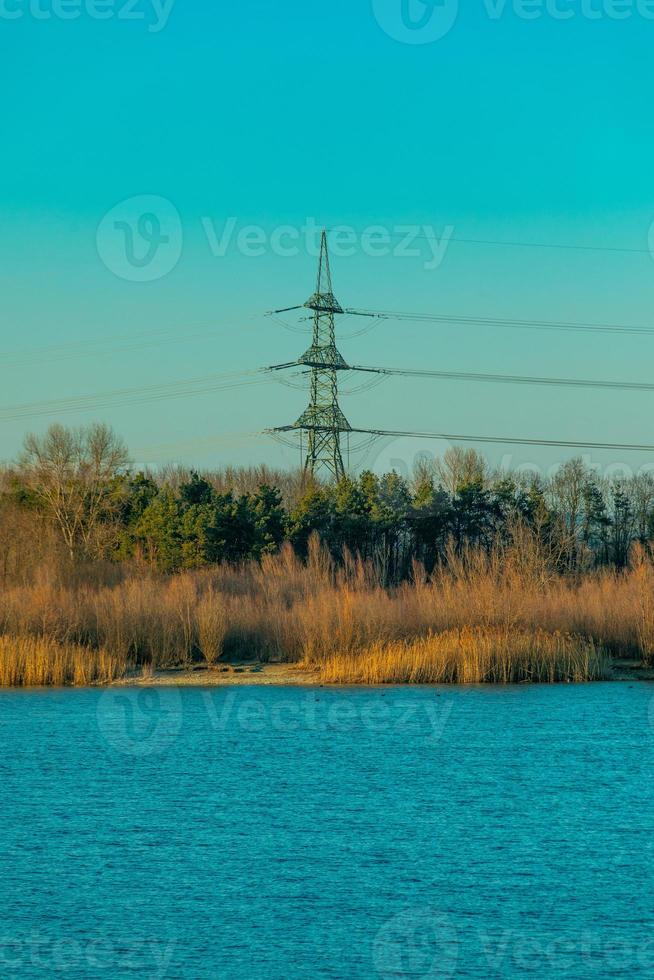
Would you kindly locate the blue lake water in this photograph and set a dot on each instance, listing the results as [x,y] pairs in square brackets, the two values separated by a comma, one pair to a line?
[281,833]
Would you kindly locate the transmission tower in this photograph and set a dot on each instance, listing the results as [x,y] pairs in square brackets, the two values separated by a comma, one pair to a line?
[323,421]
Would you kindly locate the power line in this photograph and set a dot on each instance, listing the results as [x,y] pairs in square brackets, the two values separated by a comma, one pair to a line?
[522,324]
[563,246]
[492,378]
[502,440]
[509,378]
[118,343]
[148,454]
[135,396]
[323,423]
[481,320]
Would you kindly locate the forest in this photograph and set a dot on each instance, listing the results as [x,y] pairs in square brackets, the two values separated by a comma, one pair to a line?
[460,574]
[72,498]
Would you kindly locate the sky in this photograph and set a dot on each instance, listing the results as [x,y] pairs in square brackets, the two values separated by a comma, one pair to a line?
[161,158]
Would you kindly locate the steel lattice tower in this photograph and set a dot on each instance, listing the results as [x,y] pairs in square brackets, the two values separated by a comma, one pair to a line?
[323,421]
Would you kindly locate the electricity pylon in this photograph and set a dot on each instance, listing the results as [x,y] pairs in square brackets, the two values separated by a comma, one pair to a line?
[323,421]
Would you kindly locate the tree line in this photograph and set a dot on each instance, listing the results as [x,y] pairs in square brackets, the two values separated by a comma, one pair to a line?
[72,491]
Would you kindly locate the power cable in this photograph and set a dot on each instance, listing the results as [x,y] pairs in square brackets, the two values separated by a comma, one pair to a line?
[503,440]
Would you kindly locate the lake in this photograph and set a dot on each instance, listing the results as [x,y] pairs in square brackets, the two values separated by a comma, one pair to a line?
[261,832]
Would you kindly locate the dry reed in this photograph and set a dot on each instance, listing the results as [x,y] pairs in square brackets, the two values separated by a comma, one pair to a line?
[472,656]
[37,662]
[284,609]
[212,627]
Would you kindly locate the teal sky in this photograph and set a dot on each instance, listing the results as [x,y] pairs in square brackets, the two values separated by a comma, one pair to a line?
[268,113]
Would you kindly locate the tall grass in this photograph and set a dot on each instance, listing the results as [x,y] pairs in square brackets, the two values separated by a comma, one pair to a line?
[472,656]
[211,620]
[38,662]
[320,614]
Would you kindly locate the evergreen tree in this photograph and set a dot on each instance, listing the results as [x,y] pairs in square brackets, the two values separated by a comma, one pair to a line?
[270,520]
[158,531]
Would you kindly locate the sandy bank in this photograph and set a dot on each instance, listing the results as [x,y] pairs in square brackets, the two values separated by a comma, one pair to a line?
[226,674]
[284,675]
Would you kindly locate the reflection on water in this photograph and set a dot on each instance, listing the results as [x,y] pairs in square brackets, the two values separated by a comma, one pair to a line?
[282,833]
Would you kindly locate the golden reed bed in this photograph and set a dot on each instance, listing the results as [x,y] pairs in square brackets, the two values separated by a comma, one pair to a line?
[497,618]
[468,656]
[472,656]
[38,662]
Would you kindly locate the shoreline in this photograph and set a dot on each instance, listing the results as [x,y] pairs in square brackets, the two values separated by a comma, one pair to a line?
[256,674]
[246,673]
[250,673]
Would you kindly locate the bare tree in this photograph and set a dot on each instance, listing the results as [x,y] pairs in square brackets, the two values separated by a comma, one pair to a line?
[567,492]
[71,471]
[641,493]
[459,467]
